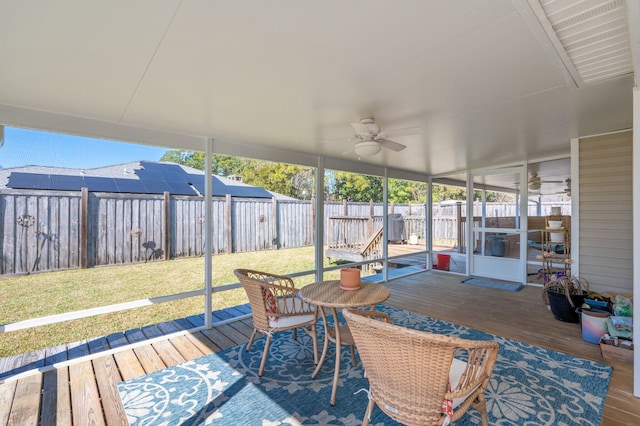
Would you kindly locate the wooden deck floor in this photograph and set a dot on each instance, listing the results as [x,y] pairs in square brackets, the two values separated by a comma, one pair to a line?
[85,393]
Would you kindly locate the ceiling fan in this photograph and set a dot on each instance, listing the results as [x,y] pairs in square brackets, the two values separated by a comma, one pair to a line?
[535,181]
[370,139]
[567,190]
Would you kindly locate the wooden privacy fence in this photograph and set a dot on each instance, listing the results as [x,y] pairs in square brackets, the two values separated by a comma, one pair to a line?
[56,230]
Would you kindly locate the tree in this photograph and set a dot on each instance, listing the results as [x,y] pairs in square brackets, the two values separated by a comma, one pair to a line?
[406,191]
[355,187]
[222,165]
[287,179]
[187,158]
[445,193]
[293,181]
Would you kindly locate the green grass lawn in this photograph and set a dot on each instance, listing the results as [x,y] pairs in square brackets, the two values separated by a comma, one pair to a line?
[39,295]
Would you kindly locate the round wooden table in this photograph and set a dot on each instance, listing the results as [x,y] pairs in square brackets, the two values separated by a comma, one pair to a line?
[328,294]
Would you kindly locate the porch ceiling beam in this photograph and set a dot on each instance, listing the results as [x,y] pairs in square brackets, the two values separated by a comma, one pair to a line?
[59,123]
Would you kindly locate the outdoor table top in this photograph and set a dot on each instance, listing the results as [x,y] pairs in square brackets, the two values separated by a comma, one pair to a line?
[329,294]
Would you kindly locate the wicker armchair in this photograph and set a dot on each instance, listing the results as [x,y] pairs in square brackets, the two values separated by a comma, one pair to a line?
[410,371]
[275,307]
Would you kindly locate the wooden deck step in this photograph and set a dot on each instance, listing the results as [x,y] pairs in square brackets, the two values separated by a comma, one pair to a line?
[24,362]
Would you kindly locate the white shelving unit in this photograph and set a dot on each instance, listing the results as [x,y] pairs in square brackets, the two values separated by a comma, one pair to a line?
[556,232]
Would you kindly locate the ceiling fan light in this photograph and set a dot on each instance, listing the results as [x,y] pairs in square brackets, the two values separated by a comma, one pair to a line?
[367,148]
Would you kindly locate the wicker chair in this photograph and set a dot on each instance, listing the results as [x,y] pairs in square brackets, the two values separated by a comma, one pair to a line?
[410,371]
[275,307]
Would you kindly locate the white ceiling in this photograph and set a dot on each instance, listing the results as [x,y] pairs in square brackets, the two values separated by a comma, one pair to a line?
[481,78]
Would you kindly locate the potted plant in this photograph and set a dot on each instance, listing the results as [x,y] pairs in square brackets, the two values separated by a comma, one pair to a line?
[564,294]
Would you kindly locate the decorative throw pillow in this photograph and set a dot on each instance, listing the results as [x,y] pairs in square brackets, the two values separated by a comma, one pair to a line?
[270,303]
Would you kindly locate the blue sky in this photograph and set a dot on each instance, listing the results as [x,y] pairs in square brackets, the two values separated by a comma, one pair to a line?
[29,147]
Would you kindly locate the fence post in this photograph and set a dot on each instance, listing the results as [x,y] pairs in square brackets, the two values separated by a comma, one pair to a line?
[345,210]
[227,225]
[166,224]
[371,211]
[84,227]
[313,220]
[275,238]
[461,237]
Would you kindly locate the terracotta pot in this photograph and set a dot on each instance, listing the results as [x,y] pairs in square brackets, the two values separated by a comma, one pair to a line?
[350,278]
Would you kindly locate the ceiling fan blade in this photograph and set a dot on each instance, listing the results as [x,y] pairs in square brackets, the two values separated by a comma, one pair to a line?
[348,152]
[404,132]
[394,146]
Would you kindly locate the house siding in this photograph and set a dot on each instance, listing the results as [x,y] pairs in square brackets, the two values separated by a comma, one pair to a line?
[606,212]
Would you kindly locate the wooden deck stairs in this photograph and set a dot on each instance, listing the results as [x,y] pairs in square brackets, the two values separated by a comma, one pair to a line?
[370,249]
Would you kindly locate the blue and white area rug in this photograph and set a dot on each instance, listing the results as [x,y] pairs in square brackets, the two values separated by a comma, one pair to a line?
[530,386]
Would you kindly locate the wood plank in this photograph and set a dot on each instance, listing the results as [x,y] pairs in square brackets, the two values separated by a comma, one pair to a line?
[236,311]
[196,320]
[221,340]
[242,328]
[56,398]
[168,353]
[98,344]
[128,364]
[151,331]
[26,403]
[219,316]
[7,391]
[203,343]
[55,354]
[166,225]
[49,398]
[84,228]
[22,362]
[85,398]
[77,349]
[186,348]
[116,340]
[182,324]
[107,377]
[241,309]
[32,360]
[8,364]
[344,254]
[232,333]
[149,359]
[168,327]
[135,335]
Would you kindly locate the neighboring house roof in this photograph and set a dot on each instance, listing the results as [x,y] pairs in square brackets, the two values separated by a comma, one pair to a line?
[144,177]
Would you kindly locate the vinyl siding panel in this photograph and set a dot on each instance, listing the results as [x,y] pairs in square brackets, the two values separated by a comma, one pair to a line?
[606,212]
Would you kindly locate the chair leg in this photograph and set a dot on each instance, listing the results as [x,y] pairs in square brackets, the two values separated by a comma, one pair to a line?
[295,334]
[353,356]
[264,354]
[367,414]
[253,335]
[481,405]
[314,337]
